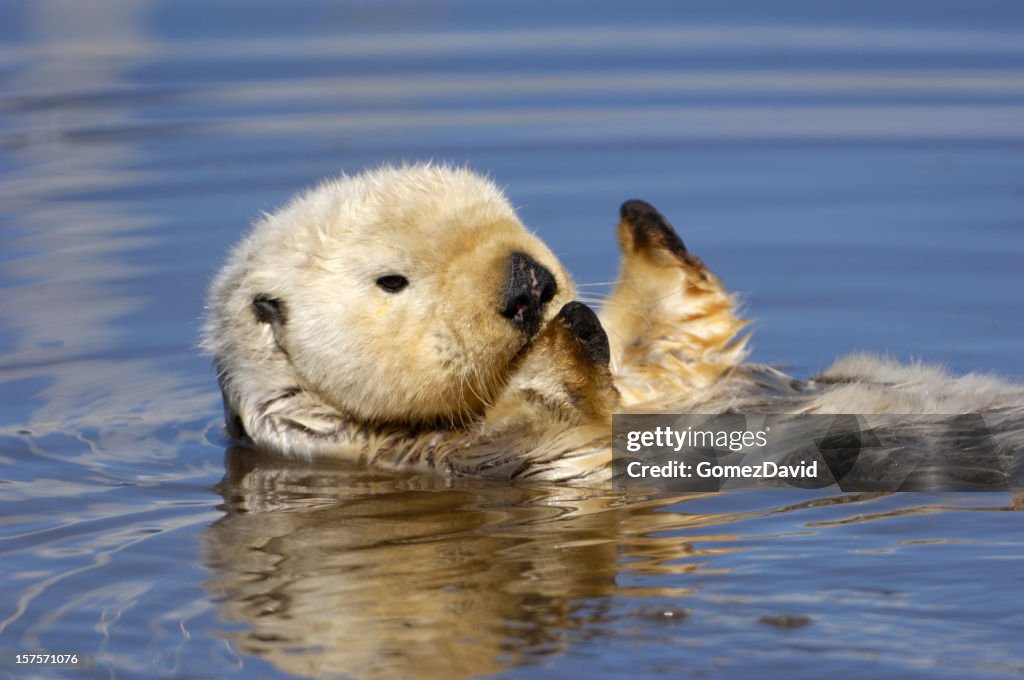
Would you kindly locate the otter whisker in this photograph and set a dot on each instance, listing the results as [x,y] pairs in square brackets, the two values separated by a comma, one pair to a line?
[592,301]
[483,383]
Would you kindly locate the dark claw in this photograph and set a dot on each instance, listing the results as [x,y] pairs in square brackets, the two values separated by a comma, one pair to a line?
[586,329]
[650,228]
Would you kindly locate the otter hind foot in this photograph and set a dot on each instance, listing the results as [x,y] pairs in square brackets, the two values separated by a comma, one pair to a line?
[674,328]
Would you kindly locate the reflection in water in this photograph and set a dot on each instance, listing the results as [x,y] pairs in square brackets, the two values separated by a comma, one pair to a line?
[340,571]
[344,572]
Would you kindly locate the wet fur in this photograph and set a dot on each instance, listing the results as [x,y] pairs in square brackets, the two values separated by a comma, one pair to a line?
[675,337]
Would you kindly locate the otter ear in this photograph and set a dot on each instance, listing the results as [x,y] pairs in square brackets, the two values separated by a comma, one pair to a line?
[269,310]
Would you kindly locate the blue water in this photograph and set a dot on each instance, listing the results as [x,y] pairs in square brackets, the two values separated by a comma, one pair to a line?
[856,170]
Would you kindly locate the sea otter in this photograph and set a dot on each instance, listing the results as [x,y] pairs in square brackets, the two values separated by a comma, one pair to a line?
[404,318]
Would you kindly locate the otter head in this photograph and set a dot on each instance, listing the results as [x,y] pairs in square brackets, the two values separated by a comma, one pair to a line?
[402,295]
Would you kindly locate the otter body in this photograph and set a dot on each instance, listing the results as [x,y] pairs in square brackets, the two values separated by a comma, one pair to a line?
[404,318]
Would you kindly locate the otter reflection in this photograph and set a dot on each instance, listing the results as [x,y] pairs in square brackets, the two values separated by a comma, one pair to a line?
[347,572]
[354,573]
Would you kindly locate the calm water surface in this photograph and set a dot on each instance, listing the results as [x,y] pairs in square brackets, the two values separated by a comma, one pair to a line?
[859,175]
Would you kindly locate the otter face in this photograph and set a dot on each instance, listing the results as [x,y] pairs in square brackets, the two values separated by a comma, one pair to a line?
[403,295]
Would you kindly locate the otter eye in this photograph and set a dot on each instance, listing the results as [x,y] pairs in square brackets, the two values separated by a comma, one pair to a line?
[392,283]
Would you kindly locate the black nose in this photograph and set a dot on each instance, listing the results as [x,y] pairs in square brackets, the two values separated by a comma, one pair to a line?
[530,286]
[585,328]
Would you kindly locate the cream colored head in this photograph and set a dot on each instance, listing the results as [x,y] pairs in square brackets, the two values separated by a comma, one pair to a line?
[404,295]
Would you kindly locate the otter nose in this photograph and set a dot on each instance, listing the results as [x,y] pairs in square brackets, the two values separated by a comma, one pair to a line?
[530,286]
